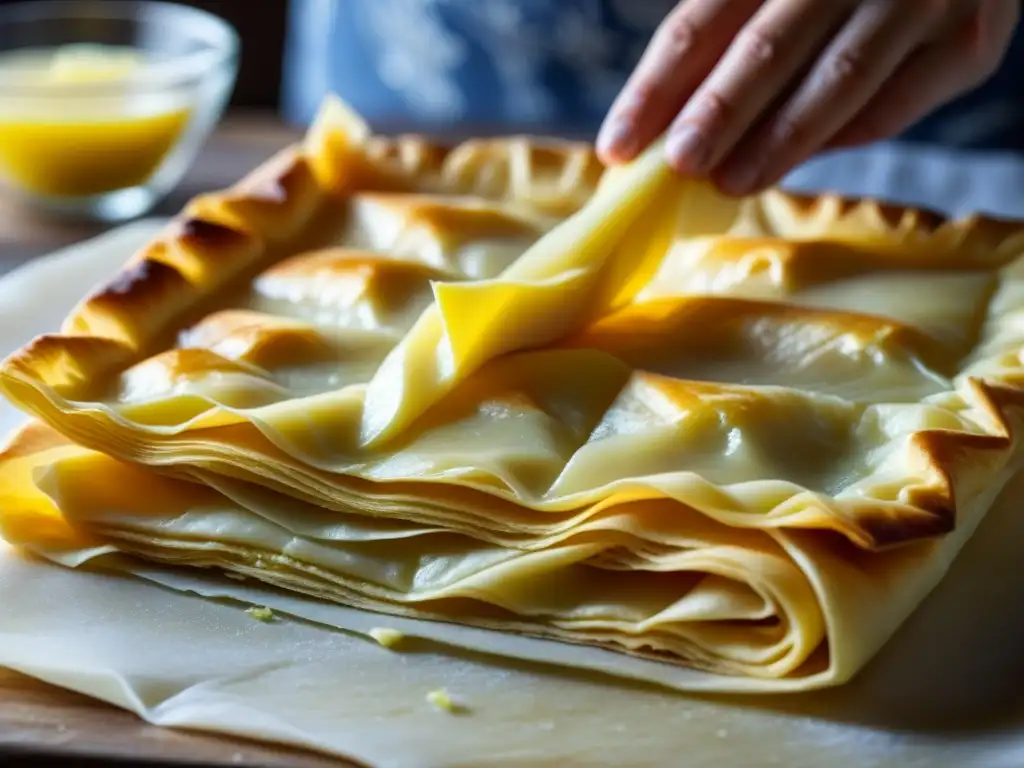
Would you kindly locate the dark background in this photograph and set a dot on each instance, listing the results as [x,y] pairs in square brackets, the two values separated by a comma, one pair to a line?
[261,25]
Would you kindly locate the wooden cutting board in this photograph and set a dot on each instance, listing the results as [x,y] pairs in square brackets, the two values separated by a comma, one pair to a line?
[40,721]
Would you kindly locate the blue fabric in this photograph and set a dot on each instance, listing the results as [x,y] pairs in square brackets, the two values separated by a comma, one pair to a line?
[552,66]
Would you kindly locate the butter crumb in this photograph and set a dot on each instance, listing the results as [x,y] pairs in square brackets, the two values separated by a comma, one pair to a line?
[260,613]
[386,637]
[441,700]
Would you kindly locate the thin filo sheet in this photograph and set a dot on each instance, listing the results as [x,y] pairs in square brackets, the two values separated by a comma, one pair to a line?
[492,386]
[947,682]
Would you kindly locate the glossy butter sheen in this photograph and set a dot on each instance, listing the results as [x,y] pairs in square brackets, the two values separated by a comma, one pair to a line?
[496,387]
[101,139]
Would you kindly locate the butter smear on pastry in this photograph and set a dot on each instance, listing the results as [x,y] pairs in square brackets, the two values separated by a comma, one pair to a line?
[494,385]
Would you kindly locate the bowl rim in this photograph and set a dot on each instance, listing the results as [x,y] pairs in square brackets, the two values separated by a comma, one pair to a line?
[222,46]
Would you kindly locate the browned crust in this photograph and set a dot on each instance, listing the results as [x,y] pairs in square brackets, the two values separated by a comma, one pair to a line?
[894,216]
[787,214]
[831,204]
[258,221]
[256,338]
[957,465]
[229,233]
[339,260]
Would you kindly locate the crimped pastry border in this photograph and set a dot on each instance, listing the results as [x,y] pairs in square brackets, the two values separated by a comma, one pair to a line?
[226,236]
[222,237]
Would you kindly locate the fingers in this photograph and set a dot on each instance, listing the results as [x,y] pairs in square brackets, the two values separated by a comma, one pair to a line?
[757,87]
[767,54]
[936,74]
[681,54]
[852,69]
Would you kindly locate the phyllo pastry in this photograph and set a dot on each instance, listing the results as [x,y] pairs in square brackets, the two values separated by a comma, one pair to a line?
[494,385]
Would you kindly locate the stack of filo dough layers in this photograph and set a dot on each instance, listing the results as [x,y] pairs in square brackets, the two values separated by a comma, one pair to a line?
[496,385]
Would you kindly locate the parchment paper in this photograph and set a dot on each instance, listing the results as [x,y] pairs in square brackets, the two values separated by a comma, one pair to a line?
[945,692]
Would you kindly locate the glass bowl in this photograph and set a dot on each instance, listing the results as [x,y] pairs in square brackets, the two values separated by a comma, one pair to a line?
[105,103]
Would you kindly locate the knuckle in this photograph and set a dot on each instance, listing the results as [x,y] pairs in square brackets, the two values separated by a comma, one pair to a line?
[637,96]
[848,66]
[646,88]
[714,110]
[679,33]
[759,46]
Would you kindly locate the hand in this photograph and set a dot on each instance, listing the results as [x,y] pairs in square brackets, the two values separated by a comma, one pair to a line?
[752,88]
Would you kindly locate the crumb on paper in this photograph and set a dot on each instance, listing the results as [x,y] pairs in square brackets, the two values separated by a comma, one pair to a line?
[386,636]
[721,733]
[260,613]
[441,700]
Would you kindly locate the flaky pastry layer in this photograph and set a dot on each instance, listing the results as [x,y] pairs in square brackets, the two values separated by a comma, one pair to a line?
[503,342]
[297,309]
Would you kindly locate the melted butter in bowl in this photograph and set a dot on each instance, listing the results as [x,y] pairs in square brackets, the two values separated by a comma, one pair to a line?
[103,105]
[113,137]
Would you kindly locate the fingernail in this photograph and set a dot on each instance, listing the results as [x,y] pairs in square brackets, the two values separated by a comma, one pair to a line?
[740,179]
[615,139]
[687,149]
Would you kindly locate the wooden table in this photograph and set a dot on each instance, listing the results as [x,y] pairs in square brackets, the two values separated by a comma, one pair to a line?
[43,725]
[40,724]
